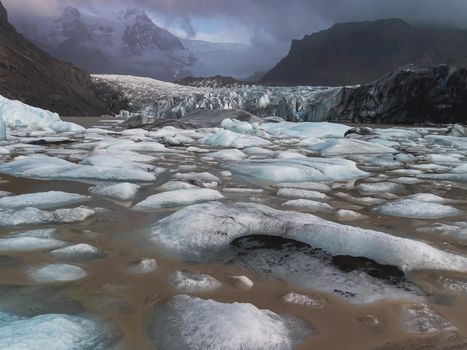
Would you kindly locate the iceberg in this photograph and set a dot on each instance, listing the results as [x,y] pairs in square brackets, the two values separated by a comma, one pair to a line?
[186,282]
[190,323]
[42,200]
[349,147]
[122,192]
[226,138]
[56,273]
[17,115]
[298,170]
[178,198]
[34,216]
[45,167]
[203,232]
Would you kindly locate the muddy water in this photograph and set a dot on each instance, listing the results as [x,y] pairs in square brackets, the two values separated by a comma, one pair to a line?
[109,290]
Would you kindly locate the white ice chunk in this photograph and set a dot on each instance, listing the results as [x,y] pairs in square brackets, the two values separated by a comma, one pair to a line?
[312,186]
[303,300]
[417,209]
[299,170]
[175,185]
[309,205]
[45,167]
[77,252]
[178,198]
[191,323]
[56,273]
[30,241]
[53,332]
[33,216]
[16,114]
[226,138]
[302,194]
[349,215]
[305,130]
[186,282]
[202,232]
[143,266]
[343,146]
[228,154]
[122,192]
[42,200]
[419,318]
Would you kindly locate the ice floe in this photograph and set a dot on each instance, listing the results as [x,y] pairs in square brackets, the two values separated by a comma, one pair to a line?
[16,115]
[202,232]
[122,192]
[56,273]
[33,216]
[417,209]
[178,198]
[226,138]
[349,147]
[30,241]
[45,167]
[299,170]
[186,282]
[191,323]
[419,318]
[143,266]
[42,200]
[77,252]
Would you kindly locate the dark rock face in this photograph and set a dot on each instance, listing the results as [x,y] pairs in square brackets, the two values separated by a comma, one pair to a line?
[435,94]
[355,53]
[30,75]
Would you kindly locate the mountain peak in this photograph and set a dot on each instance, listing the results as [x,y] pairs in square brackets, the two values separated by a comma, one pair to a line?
[71,14]
[131,13]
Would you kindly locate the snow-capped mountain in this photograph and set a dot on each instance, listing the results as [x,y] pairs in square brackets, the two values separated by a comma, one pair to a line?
[129,42]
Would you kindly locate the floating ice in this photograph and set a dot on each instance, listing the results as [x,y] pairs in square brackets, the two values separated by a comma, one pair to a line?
[33,216]
[417,209]
[178,198]
[201,232]
[30,241]
[342,146]
[355,280]
[312,186]
[419,318]
[42,200]
[53,332]
[143,266]
[302,194]
[380,187]
[309,205]
[303,300]
[175,185]
[186,282]
[16,114]
[191,323]
[240,282]
[299,170]
[77,252]
[202,177]
[56,273]
[226,138]
[123,192]
[305,130]
[228,154]
[349,215]
[45,167]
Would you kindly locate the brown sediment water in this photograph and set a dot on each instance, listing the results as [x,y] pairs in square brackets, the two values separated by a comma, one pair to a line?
[111,291]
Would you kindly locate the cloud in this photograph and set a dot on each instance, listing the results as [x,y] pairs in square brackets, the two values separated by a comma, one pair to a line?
[275,20]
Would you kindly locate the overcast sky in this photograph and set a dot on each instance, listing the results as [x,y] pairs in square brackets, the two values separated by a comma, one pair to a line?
[273,22]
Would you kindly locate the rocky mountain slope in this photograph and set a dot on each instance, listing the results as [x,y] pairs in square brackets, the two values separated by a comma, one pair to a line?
[354,53]
[32,76]
[407,96]
[129,42]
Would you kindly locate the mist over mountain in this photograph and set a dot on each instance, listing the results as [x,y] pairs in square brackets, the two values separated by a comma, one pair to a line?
[129,42]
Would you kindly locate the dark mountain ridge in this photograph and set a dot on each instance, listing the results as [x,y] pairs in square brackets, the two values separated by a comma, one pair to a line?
[360,52]
[32,76]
